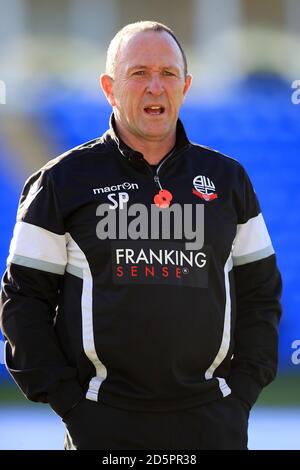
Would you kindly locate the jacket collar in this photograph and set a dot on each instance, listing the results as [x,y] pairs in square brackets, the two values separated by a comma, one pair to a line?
[111,137]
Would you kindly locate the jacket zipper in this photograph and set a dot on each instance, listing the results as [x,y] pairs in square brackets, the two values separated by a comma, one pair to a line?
[157,182]
[156,176]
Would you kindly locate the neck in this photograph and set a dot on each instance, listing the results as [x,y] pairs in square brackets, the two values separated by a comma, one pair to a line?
[153,150]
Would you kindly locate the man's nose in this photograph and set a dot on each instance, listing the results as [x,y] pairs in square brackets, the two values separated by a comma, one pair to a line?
[155,85]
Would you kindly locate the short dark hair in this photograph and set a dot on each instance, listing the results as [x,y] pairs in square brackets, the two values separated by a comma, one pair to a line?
[139,26]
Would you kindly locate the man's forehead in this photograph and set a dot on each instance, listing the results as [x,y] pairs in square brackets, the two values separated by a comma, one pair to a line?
[147,36]
[138,49]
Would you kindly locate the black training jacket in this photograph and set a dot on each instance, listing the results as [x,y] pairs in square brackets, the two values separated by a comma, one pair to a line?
[140,320]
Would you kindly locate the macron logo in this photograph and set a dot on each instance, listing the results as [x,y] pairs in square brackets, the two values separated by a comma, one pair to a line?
[116,187]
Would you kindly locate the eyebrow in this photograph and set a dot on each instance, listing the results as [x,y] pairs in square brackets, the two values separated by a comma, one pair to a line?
[173,67]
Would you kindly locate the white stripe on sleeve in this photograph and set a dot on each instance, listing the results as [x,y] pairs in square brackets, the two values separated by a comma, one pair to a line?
[252,241]
[38,248]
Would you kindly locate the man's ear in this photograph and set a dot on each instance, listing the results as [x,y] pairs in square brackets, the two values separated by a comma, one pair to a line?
[188,82]
[106,83]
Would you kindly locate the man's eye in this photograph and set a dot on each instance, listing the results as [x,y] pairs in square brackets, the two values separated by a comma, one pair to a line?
[168,73]
[139,72]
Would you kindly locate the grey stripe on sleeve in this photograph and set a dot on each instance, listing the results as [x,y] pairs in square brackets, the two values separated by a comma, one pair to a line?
[37,264]
[78,272]
[251,257]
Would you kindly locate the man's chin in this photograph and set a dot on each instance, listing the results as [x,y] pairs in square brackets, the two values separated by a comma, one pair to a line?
[157,133]
[156,137]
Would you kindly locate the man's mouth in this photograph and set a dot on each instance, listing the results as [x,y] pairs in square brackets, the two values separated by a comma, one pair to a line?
[154,110]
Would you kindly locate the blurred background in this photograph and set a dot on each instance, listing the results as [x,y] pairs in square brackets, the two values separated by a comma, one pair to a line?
[244,102]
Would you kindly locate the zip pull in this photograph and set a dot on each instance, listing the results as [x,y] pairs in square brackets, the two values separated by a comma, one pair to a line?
[157,182]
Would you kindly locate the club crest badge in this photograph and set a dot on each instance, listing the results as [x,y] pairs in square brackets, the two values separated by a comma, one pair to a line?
[204,188]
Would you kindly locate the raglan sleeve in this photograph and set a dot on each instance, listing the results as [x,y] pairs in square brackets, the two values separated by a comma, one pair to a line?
[258,289]
[29,297]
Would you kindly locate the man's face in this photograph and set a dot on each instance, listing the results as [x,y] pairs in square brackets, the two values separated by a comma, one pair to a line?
[149,85]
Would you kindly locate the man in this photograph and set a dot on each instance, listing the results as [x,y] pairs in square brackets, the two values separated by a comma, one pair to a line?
[139,335]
